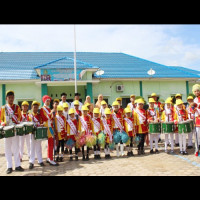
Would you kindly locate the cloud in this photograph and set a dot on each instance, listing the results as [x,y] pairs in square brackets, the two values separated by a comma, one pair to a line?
[159,43]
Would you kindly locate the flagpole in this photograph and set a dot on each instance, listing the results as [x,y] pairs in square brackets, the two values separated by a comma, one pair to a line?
[75,66]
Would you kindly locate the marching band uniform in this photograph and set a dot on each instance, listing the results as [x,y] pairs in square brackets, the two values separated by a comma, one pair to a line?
[118,126]
[72,131]
[180,116]
[141,125]
[25,118]
[11,115]
[35,145]
[168,116]
[98,127]
[104,105]
[85,127]
[191,116]
[129,126]
[65,111]
[78,113]
[48,119]
[132,105]
[197,116]
[108,125]
[61,131]
[153,115]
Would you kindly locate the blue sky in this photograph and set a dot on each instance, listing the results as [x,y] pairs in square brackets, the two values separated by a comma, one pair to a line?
[173,45]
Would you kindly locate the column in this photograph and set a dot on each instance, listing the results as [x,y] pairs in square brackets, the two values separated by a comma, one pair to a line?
[141,89]
[3,94]
[44,90]
[90,91]
[187,88]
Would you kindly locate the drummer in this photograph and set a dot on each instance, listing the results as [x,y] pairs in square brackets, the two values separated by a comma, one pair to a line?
[191,116]
[181,115]
[168,116]
[153,117]
[11,116]
[25,118]
[36,145]
[196,91]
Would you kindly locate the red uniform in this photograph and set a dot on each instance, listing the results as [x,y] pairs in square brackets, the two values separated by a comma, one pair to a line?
[72,129]
[129,126]
[119,116]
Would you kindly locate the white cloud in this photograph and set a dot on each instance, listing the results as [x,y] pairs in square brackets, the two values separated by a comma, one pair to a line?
[154,42]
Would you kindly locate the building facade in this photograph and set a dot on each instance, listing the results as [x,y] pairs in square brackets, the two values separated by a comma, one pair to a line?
[32,75]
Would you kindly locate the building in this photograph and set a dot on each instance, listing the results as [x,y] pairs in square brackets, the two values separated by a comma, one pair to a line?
[32,75]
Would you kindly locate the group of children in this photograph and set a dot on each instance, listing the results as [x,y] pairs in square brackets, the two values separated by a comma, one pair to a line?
[66,124]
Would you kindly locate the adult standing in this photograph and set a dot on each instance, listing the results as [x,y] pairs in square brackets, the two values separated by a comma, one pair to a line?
[11,116]
[77,98]
[64,100]
[100,99]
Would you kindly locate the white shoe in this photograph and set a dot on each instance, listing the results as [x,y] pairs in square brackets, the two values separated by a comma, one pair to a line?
[52,163]
[117,149]
[122,150]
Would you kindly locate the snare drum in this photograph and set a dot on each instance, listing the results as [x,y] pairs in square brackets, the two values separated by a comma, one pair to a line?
[20,130]
[184,127]
[29,127]
[41,133]
[168,128]
[1,133]
[191,121]
[155,128]
[9,131]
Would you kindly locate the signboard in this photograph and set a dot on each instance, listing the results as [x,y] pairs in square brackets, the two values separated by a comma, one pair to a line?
[59,74]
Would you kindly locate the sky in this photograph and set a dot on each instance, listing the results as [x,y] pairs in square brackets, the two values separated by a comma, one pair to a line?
[172,45]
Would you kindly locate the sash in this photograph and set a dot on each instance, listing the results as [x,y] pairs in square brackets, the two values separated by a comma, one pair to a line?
[61,122]
[35,120]
[118,122]
[85,125]
[129,122]
[72,126]
[47,112]
[96,123]
[153,113]
[12,114]
[107,129]
[141,116]
[24,119]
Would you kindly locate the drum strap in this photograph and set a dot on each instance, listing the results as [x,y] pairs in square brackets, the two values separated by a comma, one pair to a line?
[107,129]
[72,126]
[35,120]
[12,113]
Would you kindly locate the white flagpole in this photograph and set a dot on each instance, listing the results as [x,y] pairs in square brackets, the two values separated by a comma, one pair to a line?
[75,66]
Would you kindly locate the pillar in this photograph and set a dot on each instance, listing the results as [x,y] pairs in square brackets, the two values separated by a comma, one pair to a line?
[141,89]
[90,91]
[187,88]
[44,90]
[3,94]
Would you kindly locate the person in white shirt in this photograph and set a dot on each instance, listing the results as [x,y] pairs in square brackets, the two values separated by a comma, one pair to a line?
[64,100]
[77,98]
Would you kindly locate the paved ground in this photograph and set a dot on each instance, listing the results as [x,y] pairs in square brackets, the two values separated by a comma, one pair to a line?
[147,165]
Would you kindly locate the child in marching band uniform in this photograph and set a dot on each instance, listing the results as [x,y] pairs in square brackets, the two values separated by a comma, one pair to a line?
[36,145]
[90,113]
[11,115]
[129,126]
[78,113]
[117,114]
[141,124]
[153,116]
[196,105]
[25,118]
[47,118]
[65,111]
[108,125]
[181,115]
[61,133]
[191,116]
[168,116]
[104,105]
[132,105]
[121,109]
[98,127]
[72,131]
[86,127]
